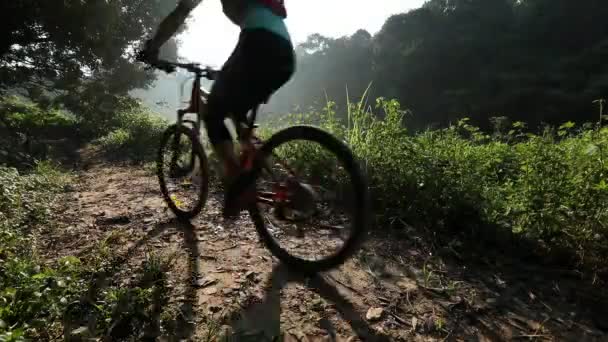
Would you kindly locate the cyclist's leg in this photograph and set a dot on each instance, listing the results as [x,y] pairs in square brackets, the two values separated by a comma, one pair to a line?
[219,107]
[261,63]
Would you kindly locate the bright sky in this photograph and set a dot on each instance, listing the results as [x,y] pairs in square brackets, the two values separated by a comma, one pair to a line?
[211,36]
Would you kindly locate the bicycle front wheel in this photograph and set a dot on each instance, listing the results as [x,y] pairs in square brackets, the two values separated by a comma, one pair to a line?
[183,171]
[313,208]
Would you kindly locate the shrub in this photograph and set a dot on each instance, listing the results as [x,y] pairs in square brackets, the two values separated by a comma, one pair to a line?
[135,134]
[31,119]
[550,187]
[26,130]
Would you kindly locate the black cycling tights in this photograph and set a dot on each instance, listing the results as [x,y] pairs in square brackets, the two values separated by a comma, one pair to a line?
[259,65]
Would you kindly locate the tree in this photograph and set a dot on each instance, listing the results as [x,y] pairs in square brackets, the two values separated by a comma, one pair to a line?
[77,53]
[327,68]
[539,61]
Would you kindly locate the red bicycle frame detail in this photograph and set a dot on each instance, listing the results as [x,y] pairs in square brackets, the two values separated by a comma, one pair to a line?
[279,193]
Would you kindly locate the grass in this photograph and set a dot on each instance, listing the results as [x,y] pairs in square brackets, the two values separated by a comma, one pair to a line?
[502,187]
[32,294]
[41,299]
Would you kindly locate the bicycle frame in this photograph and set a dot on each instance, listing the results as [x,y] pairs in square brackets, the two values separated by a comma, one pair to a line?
[198,105]
[246,135]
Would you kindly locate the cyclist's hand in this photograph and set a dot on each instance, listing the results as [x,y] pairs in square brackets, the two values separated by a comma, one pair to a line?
[212,74]
[148,54]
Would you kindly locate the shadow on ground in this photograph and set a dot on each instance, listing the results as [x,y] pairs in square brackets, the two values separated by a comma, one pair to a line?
[261,321]
[454,289]
[131,316]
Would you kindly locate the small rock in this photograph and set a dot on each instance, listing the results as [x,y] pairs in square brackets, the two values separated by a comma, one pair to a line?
[407,285]
[210,291]
[80,331]
[205,282]
[374,314]
[121,219]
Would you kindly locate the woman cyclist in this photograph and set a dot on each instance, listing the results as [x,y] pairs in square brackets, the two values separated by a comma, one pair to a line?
[261,63]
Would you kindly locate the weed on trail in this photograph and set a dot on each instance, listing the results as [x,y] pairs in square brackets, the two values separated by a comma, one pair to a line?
[32,294]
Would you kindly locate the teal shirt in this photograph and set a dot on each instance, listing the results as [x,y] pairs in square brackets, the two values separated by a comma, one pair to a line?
[262,17]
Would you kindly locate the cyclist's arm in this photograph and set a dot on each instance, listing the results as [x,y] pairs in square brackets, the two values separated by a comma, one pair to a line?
[171,23]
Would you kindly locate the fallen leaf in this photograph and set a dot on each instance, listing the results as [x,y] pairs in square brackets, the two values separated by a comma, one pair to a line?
[374,314]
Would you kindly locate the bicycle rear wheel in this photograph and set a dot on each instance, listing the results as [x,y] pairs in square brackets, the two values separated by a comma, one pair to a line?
[183,171]
[295,217]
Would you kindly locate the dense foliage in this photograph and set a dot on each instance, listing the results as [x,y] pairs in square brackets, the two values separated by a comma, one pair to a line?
[531,60]
[77,53]
[549,187]
[31,132]
[135,133]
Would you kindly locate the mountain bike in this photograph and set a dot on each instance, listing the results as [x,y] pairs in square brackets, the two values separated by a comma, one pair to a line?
[276,168]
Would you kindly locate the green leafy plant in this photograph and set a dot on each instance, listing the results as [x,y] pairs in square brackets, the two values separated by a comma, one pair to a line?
[550,186]
[134,133]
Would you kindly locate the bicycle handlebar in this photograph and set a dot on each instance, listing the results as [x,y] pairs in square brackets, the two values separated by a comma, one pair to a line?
[195,68]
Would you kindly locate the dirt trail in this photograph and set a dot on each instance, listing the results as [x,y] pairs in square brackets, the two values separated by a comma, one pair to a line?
[390,291]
